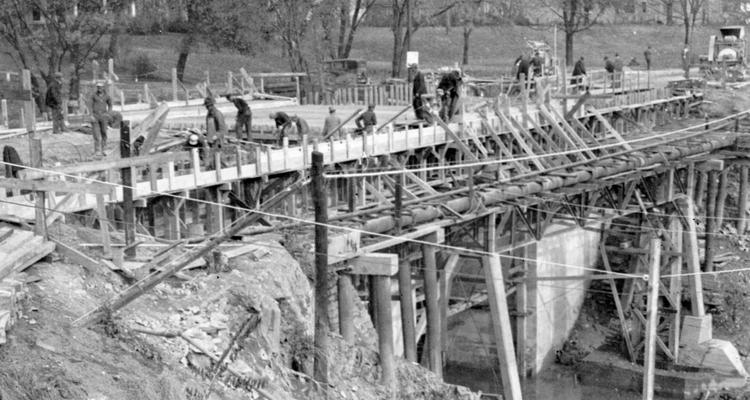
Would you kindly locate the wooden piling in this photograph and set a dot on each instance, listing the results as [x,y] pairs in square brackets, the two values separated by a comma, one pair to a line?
[431,294]
[406,298]
[322,325]
[721,198]
[126,175]
[711,197]
[346,296]
[174,84]
[692,258]
[381,285]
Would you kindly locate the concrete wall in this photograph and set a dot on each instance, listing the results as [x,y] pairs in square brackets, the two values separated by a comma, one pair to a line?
[558,303]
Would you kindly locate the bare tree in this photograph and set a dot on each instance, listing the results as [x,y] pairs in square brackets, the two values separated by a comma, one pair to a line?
[576,16]
[690,11]
[46,36]
[669,11]
[351,15]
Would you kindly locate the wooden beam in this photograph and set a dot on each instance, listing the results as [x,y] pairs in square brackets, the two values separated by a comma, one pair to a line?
[434,343]
[456,139]
[649,364]
[150,126]
[501,328]
[414,178]
[56,186]
[618,305]
[380,264]
[406,300]
[610,128]
[692,258]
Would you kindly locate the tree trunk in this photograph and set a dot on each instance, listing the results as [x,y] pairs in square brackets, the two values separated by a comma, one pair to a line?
[397,50]
[114,43]
[185,47]
[467,40]
[569,48]
[343,27]
[669,11]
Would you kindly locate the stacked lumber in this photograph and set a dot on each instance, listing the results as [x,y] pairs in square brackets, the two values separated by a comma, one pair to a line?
[19,249]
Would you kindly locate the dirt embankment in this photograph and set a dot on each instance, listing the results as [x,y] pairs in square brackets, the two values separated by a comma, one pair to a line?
[48,358]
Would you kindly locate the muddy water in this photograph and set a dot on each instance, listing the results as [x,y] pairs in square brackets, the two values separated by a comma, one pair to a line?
[556,382]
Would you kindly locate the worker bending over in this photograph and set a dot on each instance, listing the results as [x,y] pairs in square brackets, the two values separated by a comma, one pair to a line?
[244,120]
[367,120]
[448,89]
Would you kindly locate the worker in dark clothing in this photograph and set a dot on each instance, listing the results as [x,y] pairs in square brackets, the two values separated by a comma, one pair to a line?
[449,88]
[536,64]
[283,124]
[419,89]
[523,68]
[244,120]
[13,162]
[54,101]
[609,67]
[367,120]
[101,107]
[216,128]
[647,56]
[579,71]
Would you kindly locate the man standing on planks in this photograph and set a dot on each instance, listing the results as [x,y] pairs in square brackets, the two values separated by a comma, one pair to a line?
[419,89]
[332,122]
[101,107]
[579,72]
[367,120]
[244,120]
[54,101]
[610,68]
[216,128]
[647,56]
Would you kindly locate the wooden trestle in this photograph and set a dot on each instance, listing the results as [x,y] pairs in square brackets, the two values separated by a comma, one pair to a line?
[486,187]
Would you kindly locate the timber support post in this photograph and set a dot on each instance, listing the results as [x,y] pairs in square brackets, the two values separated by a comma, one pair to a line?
[742,201]
[406,300]
[381,285]
[434,350]
[711,197]
[649,363]
[346,295]
[322,326]
[127,191]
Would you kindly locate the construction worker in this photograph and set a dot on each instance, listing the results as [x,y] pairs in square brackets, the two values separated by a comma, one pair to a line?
[609,67]
[419,89]
[216,128]
[579,71]
[244,120]
[619,76]
[54,101]
[536,64]
[302,127]
[332,122]
[522,67]
[449,85]
[367,120]
[283,124]
[686,61]
[195,141]
[101,106]
[647,56]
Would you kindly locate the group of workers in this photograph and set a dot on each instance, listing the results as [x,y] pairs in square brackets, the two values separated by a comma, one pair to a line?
[447,92]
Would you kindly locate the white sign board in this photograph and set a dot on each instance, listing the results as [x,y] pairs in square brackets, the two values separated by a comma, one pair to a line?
[412,58]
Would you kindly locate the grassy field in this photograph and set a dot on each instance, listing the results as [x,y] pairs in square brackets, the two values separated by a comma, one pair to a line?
[493,50]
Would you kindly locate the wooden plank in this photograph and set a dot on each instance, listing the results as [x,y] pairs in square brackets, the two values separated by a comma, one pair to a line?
[521,141]
[376,193]
[692,258]
[96,166]
[150,126]
[76,256]
[618,305]
[56,186]
[501,327]
[413,177]
[456,139]
[566,131]
[504,150]
[649,363]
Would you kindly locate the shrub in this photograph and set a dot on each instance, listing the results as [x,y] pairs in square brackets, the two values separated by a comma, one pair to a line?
[143,66]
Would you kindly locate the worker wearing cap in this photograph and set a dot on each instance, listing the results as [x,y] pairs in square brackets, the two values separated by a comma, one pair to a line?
[283,124]
[332,122]
[216,128]
[244,120]
[54,101]
[195,141]
[367,120]
[419,89]
[101,106]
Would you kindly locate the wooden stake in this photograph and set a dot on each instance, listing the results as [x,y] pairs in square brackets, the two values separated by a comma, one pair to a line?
[322,326]
[174,84]
[407,311]
[675,284]
[742,201]
[649,363]
[346,296]
[713,188]
[126,175]
[103,225]
[432,305]
[721,198]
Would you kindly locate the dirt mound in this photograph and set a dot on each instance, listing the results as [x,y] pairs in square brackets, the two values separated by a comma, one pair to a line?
[721,102]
